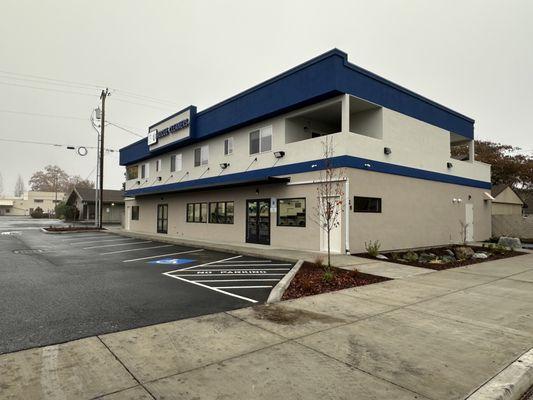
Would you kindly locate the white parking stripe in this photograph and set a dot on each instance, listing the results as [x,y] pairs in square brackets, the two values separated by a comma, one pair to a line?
[201,265]
[209,275]
[239,280]
[163,255]
[211,288]
[101,241]
[248,265]
[114,245]
[141,248]
[242,287]
[241,269]
[85,237]
[247,261]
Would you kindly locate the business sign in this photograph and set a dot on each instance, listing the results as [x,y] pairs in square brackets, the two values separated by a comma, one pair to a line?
[172,129]
[171,261]
[154,136]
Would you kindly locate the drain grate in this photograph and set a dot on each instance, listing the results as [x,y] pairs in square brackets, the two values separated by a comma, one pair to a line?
[28,251]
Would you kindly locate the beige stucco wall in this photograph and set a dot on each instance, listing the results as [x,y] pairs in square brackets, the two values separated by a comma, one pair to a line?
[512,225]
[415,213]
[22,205]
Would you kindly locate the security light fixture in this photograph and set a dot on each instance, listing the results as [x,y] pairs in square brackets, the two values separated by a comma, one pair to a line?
[387,150]
[367,165]
[138,182]
[279,154]
[159,178]
[449,165]
[224,165]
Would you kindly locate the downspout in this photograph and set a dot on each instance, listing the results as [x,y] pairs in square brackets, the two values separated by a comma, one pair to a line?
[347,216]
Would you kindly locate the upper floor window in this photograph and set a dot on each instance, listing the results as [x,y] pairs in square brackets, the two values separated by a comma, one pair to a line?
[228,146]
[144,171]
[201,156]
[175,162]
[367,204]
[132,172]
[261,140]
[157,165]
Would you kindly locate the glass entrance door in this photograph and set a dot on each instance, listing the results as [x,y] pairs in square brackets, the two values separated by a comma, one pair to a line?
[162,218]
[258,221]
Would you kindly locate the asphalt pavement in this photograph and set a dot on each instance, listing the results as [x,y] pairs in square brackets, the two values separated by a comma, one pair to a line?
[60,287]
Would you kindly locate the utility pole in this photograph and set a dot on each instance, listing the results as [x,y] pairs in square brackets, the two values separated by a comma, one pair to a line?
[103,96]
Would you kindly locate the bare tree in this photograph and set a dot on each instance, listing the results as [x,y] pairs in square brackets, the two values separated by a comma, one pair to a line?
[330,193]
[19,186]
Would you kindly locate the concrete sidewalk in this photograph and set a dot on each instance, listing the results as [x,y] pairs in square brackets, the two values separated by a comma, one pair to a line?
[366,265]
[439,335]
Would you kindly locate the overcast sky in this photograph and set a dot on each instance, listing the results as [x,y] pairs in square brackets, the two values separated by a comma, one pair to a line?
[475,57]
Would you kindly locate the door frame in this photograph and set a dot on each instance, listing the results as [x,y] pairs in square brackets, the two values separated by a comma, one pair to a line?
[267,200]
[336,247]
[165,205]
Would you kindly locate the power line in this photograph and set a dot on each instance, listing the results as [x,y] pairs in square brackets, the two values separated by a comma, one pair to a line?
[124,129]
[46,89]
[82,85]
[43,115]
[49,144]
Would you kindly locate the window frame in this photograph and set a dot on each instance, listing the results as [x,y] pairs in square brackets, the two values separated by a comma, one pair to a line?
[200,204]
[145,171]
[379,208]
[129,170]
[158,165]
[262,135]
[133,214]
[178,166]
[230,146]
[204,151]
[217,215]
[304,199]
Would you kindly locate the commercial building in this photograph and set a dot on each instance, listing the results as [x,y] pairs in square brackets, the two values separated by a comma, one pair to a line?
[84,200]
[29,201]
[248,169]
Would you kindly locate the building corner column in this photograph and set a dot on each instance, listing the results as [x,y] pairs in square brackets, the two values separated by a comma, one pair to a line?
[345,114]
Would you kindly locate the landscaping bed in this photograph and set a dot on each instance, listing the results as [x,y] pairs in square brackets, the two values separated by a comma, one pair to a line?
[72,229]
[309,280]
[440,258]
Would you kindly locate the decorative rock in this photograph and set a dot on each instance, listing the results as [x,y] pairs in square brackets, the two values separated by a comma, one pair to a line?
[511,242]
[463,252]
[480,255]
[382,257]
[426,257]
[448,258]
[450,253]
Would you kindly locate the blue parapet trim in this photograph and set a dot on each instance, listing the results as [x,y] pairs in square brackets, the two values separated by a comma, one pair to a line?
[308,166]
[322,77]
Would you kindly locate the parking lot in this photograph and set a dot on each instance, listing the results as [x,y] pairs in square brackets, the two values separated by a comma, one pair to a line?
[56,288]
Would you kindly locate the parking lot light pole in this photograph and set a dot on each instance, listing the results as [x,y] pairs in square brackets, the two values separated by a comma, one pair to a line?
[103,97]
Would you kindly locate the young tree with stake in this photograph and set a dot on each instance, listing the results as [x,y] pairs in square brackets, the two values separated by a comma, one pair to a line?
[330,193]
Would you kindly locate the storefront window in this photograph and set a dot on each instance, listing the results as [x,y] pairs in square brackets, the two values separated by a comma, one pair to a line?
[221,212]
[291,212]
[197,212]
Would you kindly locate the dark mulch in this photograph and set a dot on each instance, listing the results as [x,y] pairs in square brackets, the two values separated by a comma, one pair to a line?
[73,229]
[310,280]
[440,251]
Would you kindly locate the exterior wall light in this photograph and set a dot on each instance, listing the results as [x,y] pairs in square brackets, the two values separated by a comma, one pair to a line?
[279,154]
[138,182]
[224,165]
[449,165]
[387,150]
[159,178]
[367,165]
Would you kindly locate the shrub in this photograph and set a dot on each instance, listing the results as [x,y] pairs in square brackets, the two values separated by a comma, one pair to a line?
[499,249]
[410,256]
[37,213]
[328,276]
[372,248]
[66,212]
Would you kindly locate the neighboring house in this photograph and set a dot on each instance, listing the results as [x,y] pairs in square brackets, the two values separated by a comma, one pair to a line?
[527,196]
[84,200]
[246,170]
[506,201]
[29,201]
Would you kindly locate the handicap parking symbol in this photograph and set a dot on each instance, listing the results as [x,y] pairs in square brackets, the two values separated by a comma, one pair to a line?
[172,261]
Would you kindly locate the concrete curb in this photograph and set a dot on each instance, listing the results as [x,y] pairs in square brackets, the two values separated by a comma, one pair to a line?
[509,384]
[277,293]
[77,231]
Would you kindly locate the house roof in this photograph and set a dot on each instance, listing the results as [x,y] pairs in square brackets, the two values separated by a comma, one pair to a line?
[497,189]
[110,196]
[320,78]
